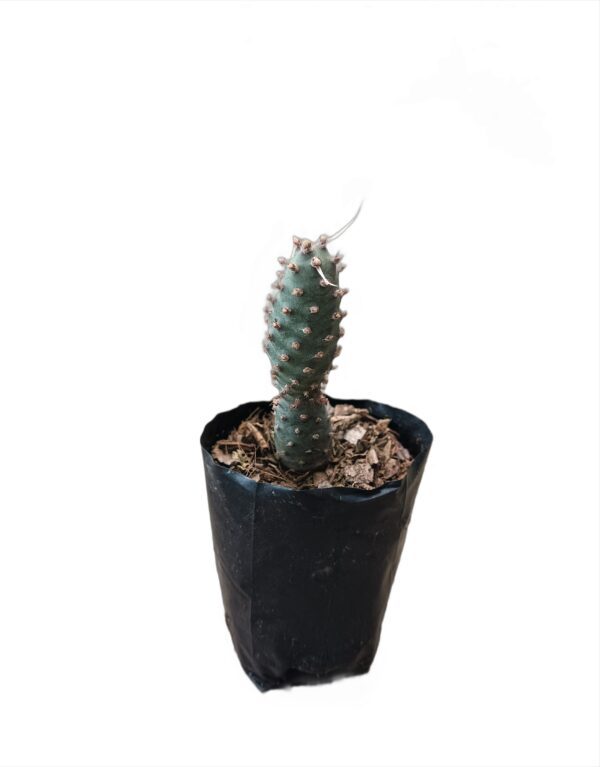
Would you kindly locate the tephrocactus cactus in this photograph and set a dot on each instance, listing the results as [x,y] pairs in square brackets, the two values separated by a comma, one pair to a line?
[303,318]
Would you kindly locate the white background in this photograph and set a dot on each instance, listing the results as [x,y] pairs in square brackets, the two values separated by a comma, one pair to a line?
[155,159]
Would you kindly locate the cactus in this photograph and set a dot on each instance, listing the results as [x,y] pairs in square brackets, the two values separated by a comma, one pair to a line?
[303,318]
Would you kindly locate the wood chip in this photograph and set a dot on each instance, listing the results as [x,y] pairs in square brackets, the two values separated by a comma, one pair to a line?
[391,468]
[321,479]
[339,410]
[360,474]
[223,456]
[382,425]
[355,434]
[256,434]
[402,453]
[386,450]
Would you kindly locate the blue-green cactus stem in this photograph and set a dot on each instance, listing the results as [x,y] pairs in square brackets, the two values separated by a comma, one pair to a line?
[303,318]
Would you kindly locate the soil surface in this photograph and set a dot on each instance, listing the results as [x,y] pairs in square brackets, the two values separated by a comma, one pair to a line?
[365,452]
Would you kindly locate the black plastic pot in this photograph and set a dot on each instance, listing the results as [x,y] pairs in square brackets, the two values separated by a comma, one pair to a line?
[306,574]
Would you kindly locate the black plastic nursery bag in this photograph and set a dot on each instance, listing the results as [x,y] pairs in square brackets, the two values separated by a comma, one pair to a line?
[306,574]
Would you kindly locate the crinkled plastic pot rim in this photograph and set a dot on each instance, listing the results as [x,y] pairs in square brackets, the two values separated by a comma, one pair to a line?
[236,415]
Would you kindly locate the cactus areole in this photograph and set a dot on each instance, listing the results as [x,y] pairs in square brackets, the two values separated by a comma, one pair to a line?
[303,318]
